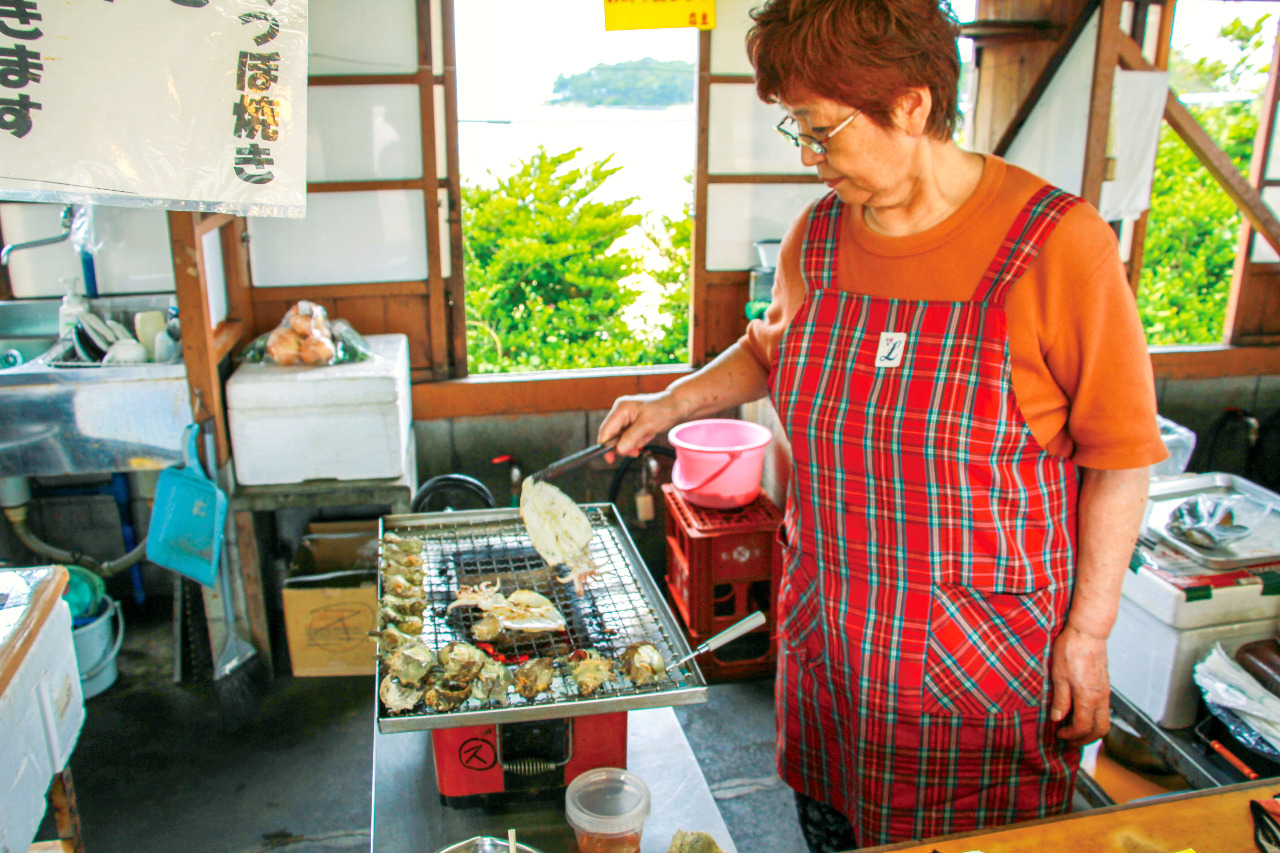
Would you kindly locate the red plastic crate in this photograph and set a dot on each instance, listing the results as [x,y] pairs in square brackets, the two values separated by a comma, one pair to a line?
[753,654]
[721,565]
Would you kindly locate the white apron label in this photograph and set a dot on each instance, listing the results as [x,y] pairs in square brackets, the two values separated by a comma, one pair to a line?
[891,347]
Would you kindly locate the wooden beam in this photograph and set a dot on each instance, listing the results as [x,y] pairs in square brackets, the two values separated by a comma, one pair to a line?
[1041,85]
[537,393]
[426,184]
[1104,78]
[1214,362]
[410,79]
[437,324]
[198,347]
[339,291]
[763,179]
[212,222]
[456,284]
[698,239]
[1251,302]
[1215,161]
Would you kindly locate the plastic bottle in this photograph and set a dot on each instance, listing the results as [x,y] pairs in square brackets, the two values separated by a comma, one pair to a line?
[72,304]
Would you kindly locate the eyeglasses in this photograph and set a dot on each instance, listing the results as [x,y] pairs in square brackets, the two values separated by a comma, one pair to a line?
[813,143]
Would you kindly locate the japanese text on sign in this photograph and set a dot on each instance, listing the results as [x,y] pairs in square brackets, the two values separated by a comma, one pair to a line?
[659,14]
[20,66]
[204,108]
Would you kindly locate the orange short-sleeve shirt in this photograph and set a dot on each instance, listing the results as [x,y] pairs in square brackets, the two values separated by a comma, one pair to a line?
[1080,367]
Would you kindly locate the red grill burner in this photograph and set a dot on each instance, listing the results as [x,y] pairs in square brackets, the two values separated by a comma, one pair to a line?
[531,746]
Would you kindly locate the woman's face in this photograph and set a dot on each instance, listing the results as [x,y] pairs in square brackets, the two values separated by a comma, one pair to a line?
[865,164]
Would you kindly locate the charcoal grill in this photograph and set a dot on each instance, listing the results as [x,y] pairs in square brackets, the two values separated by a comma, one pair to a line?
[620,605]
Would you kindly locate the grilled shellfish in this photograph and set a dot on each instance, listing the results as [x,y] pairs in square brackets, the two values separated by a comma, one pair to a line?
[642,663]
[397,697]
[534,676]
[589,669]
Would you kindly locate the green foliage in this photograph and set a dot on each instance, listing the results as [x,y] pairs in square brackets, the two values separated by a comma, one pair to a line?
[547,283]
[1193,226]
[642,83]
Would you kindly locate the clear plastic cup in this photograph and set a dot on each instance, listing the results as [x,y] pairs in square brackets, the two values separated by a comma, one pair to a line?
[607,808]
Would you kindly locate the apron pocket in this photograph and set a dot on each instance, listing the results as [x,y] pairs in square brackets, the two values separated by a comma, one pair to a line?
[799,613]
[988,652]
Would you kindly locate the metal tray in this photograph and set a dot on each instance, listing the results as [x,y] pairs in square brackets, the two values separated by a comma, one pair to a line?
[619,606]
[1261,546]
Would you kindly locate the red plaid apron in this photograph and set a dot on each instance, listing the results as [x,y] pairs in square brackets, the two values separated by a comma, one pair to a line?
[929,550]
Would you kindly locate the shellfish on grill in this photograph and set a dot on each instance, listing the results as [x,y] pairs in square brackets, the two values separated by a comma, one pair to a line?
[406,622]
[395,545]
[534,676]
[642,663]
[491,683]
[393,637]
[399,585]
[446,691]
[589,669]
[411,606]
[411,662]
[397,697]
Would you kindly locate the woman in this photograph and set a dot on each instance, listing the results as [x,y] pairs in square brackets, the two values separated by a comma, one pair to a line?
[958,363]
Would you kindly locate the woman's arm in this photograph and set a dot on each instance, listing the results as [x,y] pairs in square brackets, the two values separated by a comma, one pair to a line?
[733,378]
[1110,515]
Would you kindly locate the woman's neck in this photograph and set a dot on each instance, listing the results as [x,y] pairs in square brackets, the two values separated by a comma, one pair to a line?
[943,178]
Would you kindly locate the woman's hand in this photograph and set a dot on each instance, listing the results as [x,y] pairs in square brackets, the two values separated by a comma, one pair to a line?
[637,418]
[1081,689]
[734,377]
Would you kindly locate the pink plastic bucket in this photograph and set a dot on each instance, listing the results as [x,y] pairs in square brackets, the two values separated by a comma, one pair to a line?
[718,461]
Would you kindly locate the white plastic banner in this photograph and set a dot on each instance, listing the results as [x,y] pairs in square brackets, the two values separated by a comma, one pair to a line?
[179,104]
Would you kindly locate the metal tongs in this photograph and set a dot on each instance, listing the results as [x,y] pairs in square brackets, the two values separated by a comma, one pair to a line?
[733,632]
[574,460]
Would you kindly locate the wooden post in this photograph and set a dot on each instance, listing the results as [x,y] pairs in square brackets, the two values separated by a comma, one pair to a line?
[1104,75]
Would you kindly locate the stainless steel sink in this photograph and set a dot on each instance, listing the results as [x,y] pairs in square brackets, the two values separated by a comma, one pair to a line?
[58,420]
[27,329]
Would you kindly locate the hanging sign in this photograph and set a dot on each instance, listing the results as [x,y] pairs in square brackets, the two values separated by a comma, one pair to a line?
[184,104]
[659,14]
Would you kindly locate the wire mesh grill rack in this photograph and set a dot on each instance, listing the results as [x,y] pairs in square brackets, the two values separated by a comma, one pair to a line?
[619,606]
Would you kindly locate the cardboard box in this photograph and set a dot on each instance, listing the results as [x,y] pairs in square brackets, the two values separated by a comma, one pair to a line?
[331,600]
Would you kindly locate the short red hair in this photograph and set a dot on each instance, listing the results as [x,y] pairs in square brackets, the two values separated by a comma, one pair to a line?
[864,53]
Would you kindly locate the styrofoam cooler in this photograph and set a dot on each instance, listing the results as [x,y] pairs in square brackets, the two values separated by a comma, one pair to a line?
[345,422]
[1162,631]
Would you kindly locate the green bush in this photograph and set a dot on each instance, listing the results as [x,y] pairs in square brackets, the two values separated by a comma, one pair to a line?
[548,286]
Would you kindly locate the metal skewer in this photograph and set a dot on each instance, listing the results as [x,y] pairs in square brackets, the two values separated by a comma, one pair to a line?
[574,460]
[728,635]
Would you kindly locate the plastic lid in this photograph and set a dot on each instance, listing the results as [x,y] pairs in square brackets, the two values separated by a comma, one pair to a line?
[607,800]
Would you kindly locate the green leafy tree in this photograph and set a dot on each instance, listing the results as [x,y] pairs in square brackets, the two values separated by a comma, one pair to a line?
[1193,226]
[641,83]
[548,287]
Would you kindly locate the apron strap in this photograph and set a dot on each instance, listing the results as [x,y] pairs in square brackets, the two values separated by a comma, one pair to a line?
[1022,244]
[818,253]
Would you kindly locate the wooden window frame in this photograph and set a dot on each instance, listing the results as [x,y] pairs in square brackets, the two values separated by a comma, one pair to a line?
[1251,345]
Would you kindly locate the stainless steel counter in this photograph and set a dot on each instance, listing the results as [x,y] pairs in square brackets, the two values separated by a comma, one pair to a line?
[409,818]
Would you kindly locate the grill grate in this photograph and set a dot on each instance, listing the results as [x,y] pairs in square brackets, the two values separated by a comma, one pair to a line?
[619,606]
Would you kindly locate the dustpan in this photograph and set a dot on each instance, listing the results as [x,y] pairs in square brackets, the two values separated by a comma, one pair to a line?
[187,518]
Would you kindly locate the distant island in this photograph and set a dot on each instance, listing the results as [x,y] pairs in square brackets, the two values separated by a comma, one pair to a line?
[641,83]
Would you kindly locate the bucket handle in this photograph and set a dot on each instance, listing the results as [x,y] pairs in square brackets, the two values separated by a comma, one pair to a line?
[115,647]
[733,457]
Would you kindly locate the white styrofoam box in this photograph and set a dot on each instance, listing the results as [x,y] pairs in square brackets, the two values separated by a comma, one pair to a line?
[345,422]
[1219,605]
[1151,662]
[41,713]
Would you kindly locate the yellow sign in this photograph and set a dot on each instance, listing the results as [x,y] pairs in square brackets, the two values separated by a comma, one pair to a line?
[659,14]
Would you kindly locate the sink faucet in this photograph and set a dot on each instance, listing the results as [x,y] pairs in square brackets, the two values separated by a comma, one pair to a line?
[68,214]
